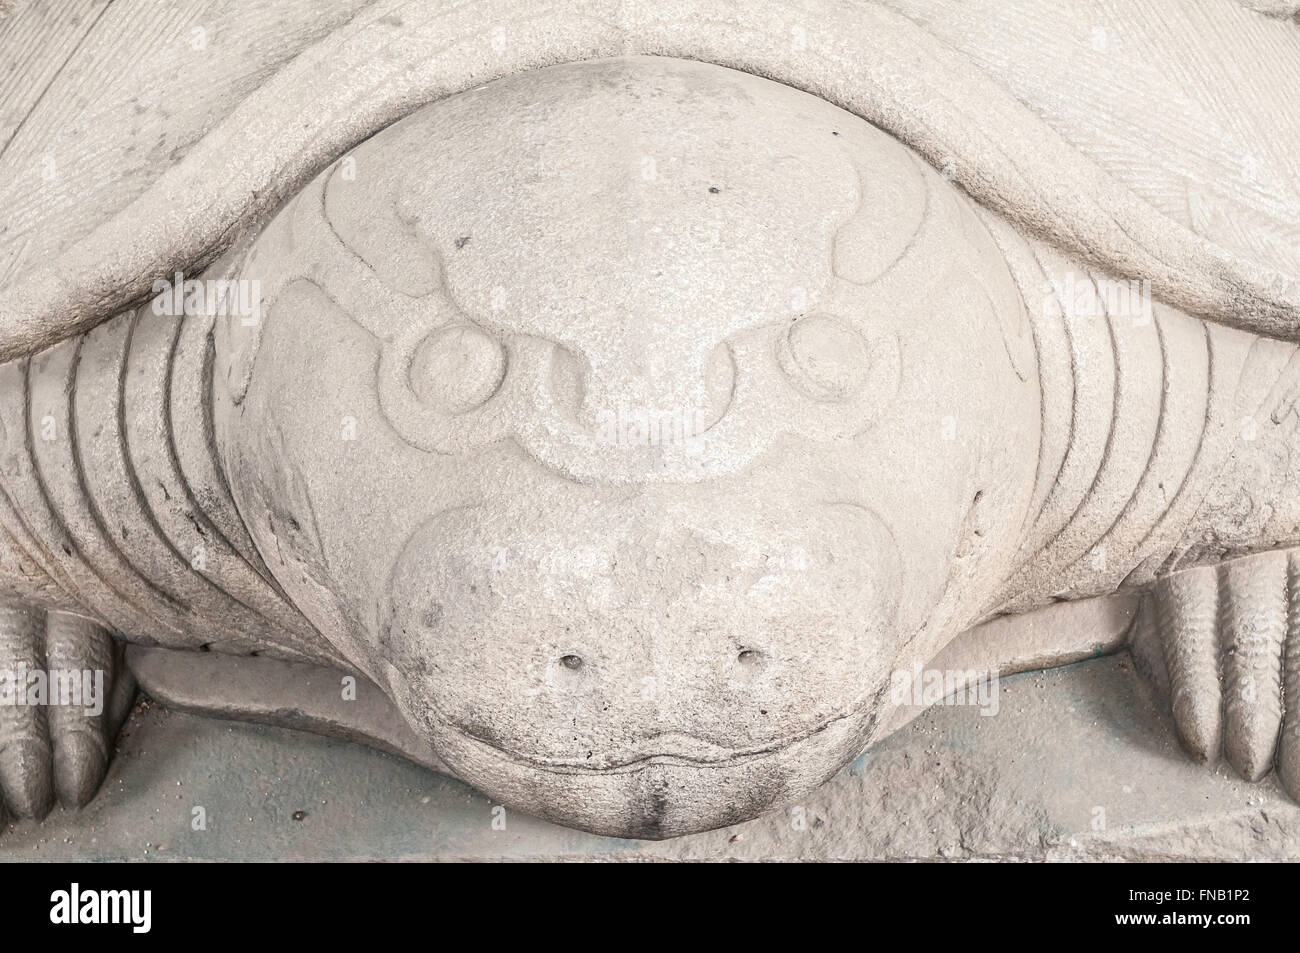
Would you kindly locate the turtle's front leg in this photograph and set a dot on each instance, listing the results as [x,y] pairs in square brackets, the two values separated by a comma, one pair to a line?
[60,706]
[1229,636]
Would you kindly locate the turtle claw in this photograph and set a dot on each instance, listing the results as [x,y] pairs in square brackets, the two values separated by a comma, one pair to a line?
[1230,639]
[1253,619]
[1186,619]
[1288,758]
[25,763]
[53,744]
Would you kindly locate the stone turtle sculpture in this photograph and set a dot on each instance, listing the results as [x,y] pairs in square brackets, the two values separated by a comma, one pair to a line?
[609,435]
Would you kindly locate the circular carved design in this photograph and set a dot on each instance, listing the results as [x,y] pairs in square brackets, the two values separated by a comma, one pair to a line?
[457,369]
[824,358]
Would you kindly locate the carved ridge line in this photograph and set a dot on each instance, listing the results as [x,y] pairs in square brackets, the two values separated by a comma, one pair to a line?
[119,607]
[1154,455]
[1034,526]
[172,607]
[277,601]
[163,541]
[37,550]
[1212,388]
[1118,381]
[244,547]
[1016,267]
[1071,451]
[1125,373]
[31,547]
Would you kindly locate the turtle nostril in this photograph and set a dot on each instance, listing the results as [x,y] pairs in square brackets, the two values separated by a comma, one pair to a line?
[572,662]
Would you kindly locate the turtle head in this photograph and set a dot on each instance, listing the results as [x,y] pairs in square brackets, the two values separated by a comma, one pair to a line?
[630,422]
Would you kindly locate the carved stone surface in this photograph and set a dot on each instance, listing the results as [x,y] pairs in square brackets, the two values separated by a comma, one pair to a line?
[953,785]
[627,409]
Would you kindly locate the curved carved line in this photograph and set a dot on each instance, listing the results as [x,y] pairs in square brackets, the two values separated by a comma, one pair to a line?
[870,50]
[179,612]
[240,616]
[117,609]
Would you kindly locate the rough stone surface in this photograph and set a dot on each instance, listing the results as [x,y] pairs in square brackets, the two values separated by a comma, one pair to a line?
[671,523]
[876,60]
[625,424]
[955,785]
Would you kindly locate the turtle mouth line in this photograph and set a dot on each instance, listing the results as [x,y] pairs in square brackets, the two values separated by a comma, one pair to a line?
[668,749]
